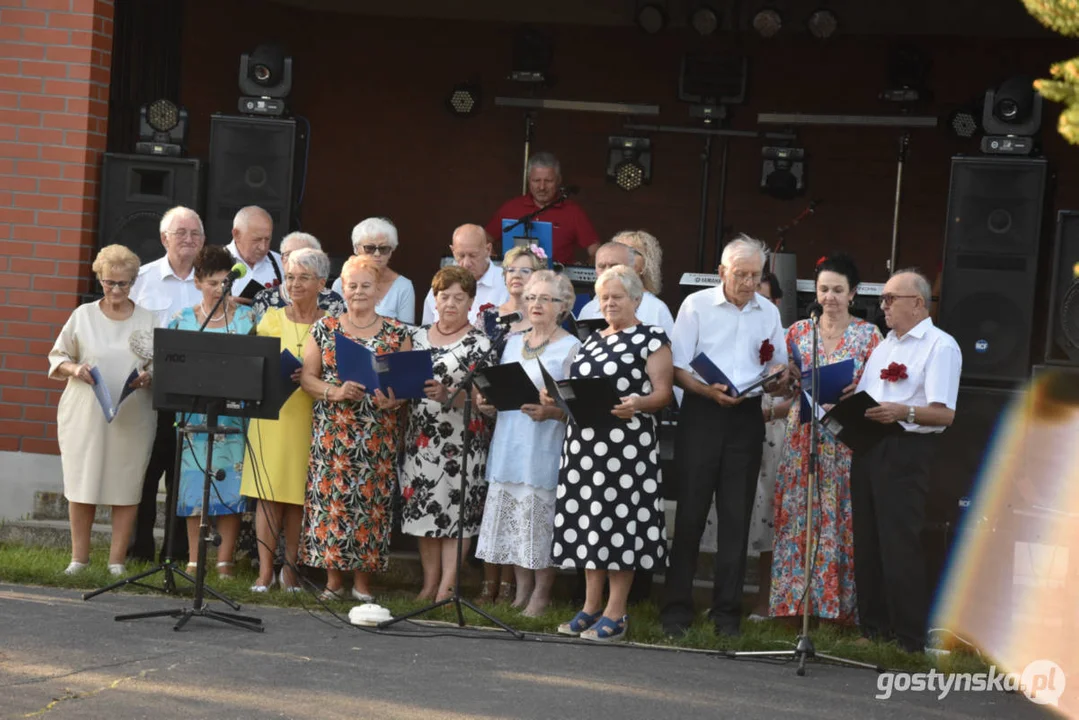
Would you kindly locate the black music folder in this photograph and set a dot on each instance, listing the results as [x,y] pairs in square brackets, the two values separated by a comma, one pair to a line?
[251,289]
[586,401]
[583,329]
[847,421]
[507,387]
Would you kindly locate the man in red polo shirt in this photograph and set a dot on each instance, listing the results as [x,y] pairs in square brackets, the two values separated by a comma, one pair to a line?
[572,228]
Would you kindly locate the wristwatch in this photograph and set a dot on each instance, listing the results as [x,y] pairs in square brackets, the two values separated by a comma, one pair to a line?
[910,415]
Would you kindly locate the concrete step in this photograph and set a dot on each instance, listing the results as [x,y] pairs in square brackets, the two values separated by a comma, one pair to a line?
[55,533]
[53,506]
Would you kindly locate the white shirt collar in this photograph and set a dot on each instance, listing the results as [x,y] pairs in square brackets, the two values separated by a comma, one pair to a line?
[721,299]
[166,270]
[918,331]
[488,278]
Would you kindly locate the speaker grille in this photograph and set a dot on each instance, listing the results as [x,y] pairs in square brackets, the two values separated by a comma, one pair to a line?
[1063,337]
[990,263]
[251,163]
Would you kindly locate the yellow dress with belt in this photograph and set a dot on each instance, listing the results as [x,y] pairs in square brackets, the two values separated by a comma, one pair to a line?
[276,464]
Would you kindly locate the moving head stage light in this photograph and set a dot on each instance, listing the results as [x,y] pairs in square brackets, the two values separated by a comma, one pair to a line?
[265,81]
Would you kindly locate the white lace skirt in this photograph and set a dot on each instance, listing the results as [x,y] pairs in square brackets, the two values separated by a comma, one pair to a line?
[518,526]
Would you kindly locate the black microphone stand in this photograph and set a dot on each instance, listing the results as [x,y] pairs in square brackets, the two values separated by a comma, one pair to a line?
[804,648]
[527,219]
[169,565]
[455,599]
[198,606]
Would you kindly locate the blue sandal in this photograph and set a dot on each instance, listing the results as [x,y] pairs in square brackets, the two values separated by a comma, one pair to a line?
[580,622]
[607,630]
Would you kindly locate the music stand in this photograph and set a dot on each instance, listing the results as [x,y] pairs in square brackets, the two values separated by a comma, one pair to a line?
[213,374]
[455,599]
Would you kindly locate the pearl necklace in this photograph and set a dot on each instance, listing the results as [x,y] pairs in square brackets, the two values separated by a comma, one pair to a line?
[213,319]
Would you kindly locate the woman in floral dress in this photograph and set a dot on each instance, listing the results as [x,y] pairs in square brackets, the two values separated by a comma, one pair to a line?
[434,445]
[832,592]
[349,499]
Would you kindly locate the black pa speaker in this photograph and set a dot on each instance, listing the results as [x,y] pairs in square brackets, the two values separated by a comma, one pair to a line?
[995,207]
[136,191]
[251,163]
[1062,336]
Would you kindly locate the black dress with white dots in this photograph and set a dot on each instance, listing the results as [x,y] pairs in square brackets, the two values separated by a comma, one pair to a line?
[609,507]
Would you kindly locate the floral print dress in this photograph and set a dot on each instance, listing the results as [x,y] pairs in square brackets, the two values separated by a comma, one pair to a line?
[352,469]
[434,445]
[832,594]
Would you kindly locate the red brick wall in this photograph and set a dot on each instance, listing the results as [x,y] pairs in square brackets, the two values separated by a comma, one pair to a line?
[54,88]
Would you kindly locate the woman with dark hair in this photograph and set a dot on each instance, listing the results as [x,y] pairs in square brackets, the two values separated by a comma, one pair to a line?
[832,591]
[212,264]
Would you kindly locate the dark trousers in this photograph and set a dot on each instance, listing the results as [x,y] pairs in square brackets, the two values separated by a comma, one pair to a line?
[889,484]
[162,460]
[717,454]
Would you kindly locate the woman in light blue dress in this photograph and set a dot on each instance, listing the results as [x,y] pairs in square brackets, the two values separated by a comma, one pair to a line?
[212,264]
[522,464]
[377,238]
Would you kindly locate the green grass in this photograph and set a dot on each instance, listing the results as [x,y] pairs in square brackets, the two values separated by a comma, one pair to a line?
[45,566]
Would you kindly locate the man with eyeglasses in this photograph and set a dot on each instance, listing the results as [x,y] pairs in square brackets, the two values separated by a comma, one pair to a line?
[652,310]
[165,287]
[571,227]
[914,375]
[252,232]
[720,438]
[472,250]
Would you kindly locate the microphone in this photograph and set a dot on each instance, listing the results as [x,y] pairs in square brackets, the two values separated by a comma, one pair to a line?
[238,271]
[815,310]
[510,318]
[567,190]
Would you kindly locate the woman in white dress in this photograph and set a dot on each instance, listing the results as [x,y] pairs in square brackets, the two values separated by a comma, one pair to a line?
[396,298]
[522,464]
[104,349]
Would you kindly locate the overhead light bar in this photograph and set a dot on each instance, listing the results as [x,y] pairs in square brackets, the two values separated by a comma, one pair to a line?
[908,121]
[577,105]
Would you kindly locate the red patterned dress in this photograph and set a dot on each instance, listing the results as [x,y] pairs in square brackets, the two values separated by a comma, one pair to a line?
[352,470]
[832,594]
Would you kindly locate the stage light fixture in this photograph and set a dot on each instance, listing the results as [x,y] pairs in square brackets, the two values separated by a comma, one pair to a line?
[629,161]
[822,23]
[651,17]
[532,54]
[465,99]
[1012,116]
[162,129]
[265,80]
[783,172]
[704,19]
[768,22]
[963,123]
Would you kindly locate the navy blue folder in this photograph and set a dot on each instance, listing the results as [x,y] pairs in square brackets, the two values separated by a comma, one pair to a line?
[405,372]
[712,375]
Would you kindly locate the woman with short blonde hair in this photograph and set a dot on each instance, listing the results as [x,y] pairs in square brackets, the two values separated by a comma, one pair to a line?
[104,451]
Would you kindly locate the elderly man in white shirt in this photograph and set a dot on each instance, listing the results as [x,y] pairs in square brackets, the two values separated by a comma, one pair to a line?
[165,287]
[720,438]
[472,250]
[914,375]
[652,310]
[252,231]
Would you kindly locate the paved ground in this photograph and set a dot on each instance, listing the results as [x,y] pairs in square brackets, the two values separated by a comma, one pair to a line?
[61,657]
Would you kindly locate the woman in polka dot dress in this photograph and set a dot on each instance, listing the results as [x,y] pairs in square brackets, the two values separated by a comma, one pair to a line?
[609,508]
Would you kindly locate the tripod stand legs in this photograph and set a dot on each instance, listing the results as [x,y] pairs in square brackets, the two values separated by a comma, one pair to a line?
[457,601]
[184,614]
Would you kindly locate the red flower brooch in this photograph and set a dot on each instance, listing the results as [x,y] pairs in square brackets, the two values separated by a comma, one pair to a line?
[894,373]
[271,285]
[484,308]
[767,351]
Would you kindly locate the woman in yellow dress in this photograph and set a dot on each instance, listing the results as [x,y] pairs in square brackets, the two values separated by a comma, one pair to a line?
[275,471]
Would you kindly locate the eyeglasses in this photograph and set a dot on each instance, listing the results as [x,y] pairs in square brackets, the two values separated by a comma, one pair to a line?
[122,284]
[299,278]
[184,233]
[743,277]
[542,299]
[518,271]
[887,300]
[376,249]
